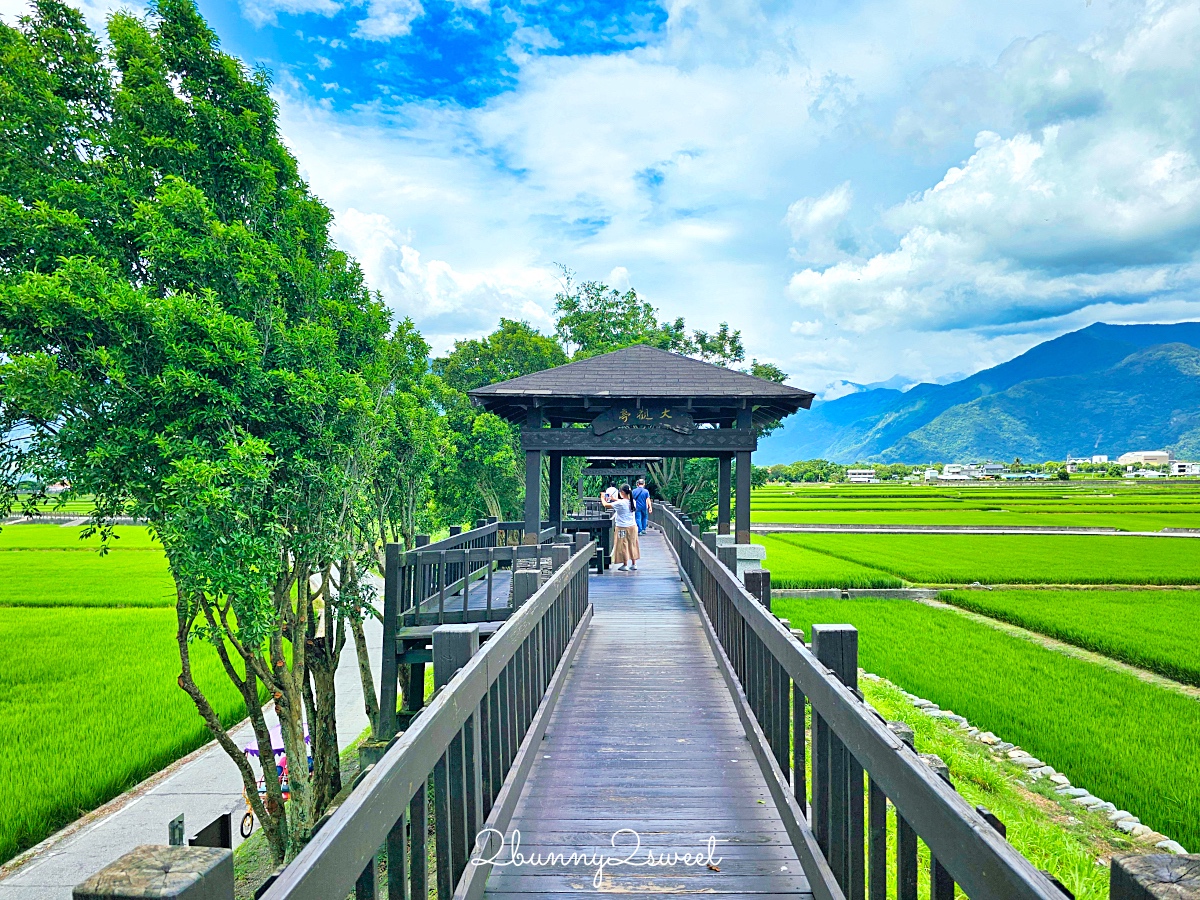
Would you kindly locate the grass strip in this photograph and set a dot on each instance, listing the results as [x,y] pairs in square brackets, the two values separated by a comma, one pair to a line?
[1129,742]
[1068,843]
[58,537]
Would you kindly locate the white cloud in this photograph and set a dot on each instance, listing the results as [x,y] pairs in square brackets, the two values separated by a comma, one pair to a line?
[808,328]
[1101,204]
[453,302]
[387,19]
[265,12]
[810,217]
[671,167]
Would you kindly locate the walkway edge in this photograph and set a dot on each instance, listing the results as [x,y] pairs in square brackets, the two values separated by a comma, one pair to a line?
[820,876]
[474,882]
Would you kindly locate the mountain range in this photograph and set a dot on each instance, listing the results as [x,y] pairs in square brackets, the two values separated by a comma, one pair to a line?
[1105,389]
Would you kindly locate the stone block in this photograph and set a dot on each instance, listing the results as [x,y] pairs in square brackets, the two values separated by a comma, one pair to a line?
[154,871]
[749,556]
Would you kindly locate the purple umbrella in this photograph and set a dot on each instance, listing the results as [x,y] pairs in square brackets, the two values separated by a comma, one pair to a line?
[276,743]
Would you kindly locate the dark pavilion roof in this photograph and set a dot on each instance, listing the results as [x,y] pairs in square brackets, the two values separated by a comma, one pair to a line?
[579,391]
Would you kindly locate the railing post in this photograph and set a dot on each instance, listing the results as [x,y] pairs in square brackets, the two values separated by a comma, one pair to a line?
[560,554]
[727,555]
[843,824]
[525,583]
[389,675]
[453,647]
[758,583]
[906,837]
[1147,877]
[941,885]
[195,873]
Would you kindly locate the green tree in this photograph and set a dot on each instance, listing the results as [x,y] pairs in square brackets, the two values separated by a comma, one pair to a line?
[180,340]
[512,350]
[592,318]
[483,475]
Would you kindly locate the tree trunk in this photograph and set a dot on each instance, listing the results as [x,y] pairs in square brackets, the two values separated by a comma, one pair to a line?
[366,676]
[327,771]
[271,815]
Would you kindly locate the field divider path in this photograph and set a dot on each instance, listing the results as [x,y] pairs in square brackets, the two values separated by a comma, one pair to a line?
[1066,649]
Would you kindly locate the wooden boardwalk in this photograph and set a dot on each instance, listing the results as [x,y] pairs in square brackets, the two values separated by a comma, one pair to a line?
[646,737]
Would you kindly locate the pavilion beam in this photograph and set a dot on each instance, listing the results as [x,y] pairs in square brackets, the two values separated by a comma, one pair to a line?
[743,482]
[724,492]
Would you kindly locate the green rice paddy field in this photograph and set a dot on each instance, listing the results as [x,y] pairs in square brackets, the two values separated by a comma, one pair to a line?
[1128,741]
[1155,630]
[89,705]
[994,558]
[1120,505]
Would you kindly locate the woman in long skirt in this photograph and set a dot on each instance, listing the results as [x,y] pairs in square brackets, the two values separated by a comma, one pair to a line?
[626,551]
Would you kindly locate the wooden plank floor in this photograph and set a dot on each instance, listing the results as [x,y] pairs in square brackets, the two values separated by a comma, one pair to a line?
[476,594]
[645,737]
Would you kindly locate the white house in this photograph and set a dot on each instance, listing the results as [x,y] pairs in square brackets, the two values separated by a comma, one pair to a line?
[1185,468]
[1145,458]
[860,476]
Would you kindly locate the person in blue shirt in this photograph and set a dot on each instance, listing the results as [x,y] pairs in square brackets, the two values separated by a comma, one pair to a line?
[644,505]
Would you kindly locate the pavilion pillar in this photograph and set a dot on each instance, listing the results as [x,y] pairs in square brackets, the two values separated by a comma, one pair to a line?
[743,498]
[724,464]
[533,483]
[556,473]
[533,496]
[744,420]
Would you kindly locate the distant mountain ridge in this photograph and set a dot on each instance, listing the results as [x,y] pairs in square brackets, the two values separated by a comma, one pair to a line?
[1102,389]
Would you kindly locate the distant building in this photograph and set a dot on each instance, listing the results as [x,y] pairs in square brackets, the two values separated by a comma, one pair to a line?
[931,474]
[861,476]
[1145,458]
[1147,473]
[1100,458]
[1185,468]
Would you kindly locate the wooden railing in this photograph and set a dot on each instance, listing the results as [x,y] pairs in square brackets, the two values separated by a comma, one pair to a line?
[467,752]
[858,761]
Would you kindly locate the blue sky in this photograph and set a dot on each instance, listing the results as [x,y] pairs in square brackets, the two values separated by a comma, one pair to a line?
[866,189]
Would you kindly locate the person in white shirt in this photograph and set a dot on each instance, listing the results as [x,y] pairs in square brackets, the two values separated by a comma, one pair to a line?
[625,548]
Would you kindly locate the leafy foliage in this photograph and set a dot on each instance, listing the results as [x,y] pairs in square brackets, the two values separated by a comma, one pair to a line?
[185,344]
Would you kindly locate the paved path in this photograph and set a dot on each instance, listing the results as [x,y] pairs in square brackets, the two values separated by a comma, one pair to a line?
[646,737]
[202,787]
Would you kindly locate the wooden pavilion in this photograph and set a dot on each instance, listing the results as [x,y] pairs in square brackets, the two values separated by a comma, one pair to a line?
[639,402]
